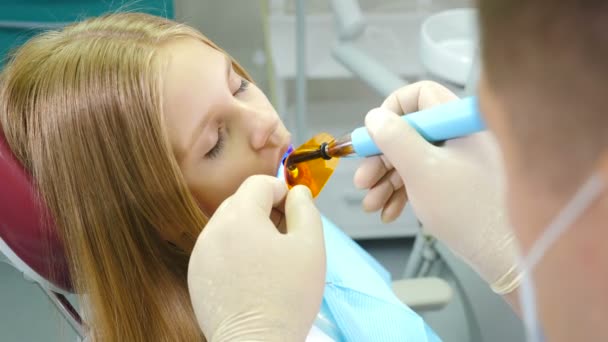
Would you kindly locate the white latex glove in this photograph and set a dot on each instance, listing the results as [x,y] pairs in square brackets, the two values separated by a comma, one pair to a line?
[456,190]
[247,281]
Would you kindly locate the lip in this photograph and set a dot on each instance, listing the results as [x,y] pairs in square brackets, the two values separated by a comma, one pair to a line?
[282,152]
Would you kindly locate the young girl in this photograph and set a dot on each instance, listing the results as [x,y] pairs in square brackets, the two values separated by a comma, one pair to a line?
[135,128]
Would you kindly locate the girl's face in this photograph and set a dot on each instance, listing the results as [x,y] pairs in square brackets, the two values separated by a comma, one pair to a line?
[222,128]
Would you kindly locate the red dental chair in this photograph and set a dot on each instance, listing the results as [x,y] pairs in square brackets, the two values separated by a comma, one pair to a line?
[29,243]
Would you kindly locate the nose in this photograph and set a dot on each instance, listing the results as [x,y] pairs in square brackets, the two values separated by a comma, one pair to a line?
[263,127]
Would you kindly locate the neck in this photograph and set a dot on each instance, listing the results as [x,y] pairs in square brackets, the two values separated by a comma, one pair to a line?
[572,280]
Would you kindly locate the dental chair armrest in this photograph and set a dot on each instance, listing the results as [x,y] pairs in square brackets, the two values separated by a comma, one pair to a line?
[4,259]
[423,294]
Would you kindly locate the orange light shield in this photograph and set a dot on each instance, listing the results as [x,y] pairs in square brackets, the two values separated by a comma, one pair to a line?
[313,173]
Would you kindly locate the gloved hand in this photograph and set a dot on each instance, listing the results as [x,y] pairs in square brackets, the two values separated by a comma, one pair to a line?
[248,281]
[456,190]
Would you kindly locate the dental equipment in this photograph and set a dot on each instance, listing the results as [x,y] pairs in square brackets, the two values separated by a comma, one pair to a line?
[451,120]
[371,71]
[29,239]
[349,18]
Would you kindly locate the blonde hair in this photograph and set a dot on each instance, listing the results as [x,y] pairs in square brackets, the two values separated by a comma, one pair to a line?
[81,109]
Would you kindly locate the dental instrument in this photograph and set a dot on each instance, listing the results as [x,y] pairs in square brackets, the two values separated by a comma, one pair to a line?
[451,120]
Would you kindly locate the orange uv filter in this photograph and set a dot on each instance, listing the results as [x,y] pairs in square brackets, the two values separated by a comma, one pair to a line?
[312,173]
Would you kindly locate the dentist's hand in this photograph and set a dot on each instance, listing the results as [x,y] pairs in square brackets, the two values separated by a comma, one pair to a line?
[456,190]
[250,282]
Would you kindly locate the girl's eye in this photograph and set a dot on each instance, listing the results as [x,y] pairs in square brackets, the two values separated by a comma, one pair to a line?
[243,87]
[217,148]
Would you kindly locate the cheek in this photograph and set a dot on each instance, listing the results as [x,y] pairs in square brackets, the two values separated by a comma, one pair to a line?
[212,185]
[211,189]
[530,209]
[261,101]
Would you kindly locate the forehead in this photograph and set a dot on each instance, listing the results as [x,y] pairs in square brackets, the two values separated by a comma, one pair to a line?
[192,68]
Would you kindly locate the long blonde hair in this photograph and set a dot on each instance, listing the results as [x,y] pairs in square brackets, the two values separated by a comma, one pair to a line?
[81,108]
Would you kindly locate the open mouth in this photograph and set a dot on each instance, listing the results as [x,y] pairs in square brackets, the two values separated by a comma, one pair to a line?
[312,172]
[284,154]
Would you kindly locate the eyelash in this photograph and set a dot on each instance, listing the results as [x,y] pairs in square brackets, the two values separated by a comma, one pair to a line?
[215,150]
[219,145]
[243,87]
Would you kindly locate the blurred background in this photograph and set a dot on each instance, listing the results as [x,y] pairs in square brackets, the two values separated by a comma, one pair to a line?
[323,64]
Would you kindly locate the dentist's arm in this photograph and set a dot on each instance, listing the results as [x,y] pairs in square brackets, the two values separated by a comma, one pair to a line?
[247,281]
[456,190]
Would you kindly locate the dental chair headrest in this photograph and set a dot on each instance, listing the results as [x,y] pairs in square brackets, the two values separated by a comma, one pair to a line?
[34,244]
